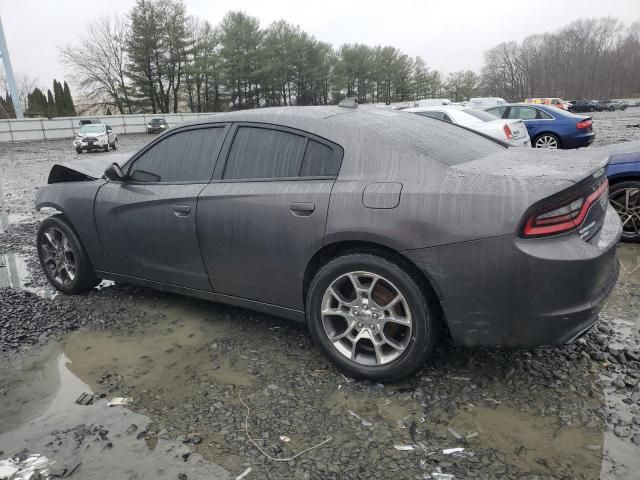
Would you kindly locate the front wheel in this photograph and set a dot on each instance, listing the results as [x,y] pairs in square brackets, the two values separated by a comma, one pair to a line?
[78,150]
[612,108]
[625,198]
[547,140]
[370,317]
[63,258]
[115,144]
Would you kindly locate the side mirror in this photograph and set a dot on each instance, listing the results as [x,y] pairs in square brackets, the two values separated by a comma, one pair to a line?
[114,172]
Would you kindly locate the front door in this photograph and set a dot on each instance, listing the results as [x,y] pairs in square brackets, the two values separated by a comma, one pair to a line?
[262,219]
[147,223]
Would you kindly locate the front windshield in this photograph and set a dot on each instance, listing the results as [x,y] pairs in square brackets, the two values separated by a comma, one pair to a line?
[92,129]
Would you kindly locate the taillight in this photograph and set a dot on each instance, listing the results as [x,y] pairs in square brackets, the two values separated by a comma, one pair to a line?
[565,217]
[507,132]
[584,124]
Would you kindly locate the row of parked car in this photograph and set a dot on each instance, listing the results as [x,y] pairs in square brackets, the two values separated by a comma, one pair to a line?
[519,124]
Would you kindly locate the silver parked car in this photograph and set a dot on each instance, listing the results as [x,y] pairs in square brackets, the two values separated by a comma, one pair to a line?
[95,136]
[376,228]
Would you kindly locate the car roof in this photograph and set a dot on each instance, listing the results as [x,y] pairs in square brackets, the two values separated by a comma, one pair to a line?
[383,132]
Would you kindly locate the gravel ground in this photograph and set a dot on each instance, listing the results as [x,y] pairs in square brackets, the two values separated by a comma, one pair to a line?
[570,412]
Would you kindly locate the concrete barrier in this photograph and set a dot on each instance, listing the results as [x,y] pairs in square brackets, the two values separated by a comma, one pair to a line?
[30,129]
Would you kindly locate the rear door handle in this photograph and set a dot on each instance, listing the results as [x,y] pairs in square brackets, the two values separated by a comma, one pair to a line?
[181,210]
[302,209]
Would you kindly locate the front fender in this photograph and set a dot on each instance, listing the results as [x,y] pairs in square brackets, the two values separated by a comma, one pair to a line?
[75,200]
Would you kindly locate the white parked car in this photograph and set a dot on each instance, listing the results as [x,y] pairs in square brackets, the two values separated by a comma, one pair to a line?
[432,102]
[486,102]
[513,132]
[95,136]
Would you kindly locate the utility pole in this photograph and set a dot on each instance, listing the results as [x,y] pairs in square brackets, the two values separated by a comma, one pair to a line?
[8,70]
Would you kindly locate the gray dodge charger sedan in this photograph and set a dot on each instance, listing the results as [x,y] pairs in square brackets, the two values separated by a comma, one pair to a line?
[377,228]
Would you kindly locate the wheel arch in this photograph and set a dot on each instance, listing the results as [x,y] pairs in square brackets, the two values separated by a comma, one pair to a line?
[340,248]
[624,177]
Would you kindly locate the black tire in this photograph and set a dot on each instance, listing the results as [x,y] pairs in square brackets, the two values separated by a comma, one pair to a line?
[425,326]
[624,108]
[84,277]
[115,144]
[78,150]
[631,229]
[106,147]
[546,138]
[612,108]
[592,109]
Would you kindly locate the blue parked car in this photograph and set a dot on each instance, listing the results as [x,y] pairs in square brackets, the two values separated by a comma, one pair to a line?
[549,127]
[624,191]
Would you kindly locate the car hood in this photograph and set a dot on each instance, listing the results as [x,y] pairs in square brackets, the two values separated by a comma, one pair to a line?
[85,169]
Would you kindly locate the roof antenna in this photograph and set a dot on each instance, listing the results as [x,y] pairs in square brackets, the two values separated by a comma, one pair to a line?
[349,102]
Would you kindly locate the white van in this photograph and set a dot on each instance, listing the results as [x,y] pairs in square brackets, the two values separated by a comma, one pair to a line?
[485,102]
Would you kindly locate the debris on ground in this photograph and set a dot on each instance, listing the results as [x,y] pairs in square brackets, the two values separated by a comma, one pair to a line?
[119,401]
[244,474]
[284,438]
[85,399]
[27,468]
[438,474]
[456,435]
[365,423]
[261,450]
[449,451]
[404,448]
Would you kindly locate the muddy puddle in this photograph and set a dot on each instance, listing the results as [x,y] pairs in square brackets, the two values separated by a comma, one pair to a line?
[38,414]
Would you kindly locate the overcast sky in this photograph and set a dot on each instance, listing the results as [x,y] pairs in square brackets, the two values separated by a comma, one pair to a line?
[449,34]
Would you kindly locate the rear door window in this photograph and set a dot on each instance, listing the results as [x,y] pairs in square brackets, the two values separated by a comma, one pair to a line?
[433,114]
[186,156]
[523,113]
[319,161]
[264,153]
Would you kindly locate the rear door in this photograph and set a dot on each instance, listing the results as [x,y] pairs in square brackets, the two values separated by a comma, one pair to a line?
[528,115]
[147,224]
[264,214]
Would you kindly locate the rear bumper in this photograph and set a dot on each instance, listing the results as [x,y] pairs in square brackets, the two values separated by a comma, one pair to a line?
[579,140]
[513,292]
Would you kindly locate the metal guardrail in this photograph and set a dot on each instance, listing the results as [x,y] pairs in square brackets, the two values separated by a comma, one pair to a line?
[30,129]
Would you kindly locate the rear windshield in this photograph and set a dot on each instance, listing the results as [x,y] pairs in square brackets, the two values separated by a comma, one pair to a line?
[480,114]
[158,121]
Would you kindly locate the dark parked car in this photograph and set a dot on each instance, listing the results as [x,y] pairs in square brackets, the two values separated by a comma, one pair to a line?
[157,125]
[374,227]
[613,105]
[624,188]
[550,127]
[585,106]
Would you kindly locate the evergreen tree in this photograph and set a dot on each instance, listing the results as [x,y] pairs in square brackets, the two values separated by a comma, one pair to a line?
[69,107]
[58,98]
[51,105]
[37,103]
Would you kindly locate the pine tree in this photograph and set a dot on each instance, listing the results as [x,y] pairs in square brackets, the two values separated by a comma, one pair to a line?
[51,105]
[58,96]
[37,102]
[69,107]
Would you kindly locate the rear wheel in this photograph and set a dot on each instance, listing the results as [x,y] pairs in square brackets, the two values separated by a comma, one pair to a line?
[612,108]
[625,198]
[63,258]
[547,140]
[78,150]
[370,317]
[592,109]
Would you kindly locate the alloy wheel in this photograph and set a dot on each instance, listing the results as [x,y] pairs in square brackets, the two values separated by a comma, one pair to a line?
[626,201]
[547,141]
[366,318]
[58,257]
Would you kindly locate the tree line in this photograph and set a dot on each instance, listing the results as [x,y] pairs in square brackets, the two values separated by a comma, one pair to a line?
[160,59]
[587,59]
[56,104]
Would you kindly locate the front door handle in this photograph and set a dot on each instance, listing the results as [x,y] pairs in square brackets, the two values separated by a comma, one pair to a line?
[181,210]
[302,209]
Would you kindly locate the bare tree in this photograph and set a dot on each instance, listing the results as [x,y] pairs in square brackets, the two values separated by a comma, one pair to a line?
[99,63]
